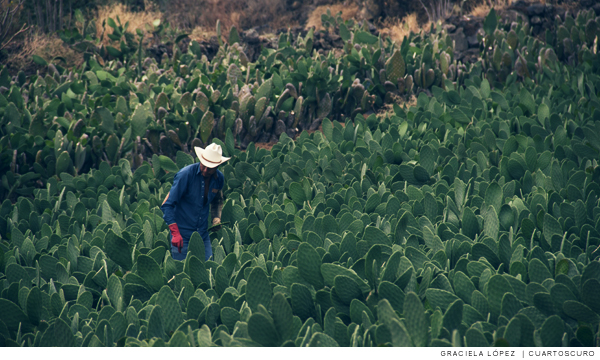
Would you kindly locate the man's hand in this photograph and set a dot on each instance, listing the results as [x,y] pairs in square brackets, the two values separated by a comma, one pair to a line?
[216,224]
[176,239]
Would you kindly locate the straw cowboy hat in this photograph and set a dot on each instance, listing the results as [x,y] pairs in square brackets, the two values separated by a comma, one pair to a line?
[211,156]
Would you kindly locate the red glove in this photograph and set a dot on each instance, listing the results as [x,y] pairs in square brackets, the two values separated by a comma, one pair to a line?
[176,239]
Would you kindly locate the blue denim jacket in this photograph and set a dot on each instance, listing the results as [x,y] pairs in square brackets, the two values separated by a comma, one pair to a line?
[185,205]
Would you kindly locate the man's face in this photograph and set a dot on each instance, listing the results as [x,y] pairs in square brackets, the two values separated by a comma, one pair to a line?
[206,171]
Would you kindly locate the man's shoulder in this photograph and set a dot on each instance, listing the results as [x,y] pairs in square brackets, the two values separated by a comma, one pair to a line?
[190,169]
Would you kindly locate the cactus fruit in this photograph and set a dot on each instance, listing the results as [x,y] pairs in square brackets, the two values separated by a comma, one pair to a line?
[161,113]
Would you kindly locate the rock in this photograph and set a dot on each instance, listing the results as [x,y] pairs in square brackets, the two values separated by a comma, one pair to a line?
[372,29]
[460,40]
[450,28]
[324,44]
[520,6]
[291,133]
[265,137]
[334,37]
[371,9]
[470,25]
[322,2]
[315,125]
[536,9]
[472,41]
[536,20]
[251,36]
[470,56]
[512,15]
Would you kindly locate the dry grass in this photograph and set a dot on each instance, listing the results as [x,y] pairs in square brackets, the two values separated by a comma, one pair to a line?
[388,109]
[412,101]
[243,14]
[47,46]
[349,11]
[483,9]
[202,33]
[137,20]
[397,29]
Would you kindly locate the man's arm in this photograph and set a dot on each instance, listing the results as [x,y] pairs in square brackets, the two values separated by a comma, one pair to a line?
[177,191]
[216,207]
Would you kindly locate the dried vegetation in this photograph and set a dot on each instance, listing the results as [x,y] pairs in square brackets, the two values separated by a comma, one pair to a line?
[43,45]
[137,20]
[349,11]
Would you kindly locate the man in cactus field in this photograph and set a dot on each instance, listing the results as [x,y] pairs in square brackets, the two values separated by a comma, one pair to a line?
[195,188]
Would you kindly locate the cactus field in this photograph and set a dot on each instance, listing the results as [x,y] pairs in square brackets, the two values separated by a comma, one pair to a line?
[468,217]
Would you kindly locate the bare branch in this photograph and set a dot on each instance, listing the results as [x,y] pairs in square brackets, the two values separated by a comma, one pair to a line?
[23,29]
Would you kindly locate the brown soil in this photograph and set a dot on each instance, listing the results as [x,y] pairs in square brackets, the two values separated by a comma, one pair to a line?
[266,146]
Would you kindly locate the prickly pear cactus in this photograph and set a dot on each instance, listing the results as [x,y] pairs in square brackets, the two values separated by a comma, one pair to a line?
[395,67]
[206,126]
